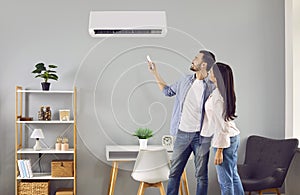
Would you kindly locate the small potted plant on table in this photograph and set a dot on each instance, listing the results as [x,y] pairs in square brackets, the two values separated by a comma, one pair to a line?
[143,134]
[46,74]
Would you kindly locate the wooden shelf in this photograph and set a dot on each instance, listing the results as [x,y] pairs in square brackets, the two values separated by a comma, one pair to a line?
[44,151]
[40,91]
[44,176]
[22,150]
[46,122]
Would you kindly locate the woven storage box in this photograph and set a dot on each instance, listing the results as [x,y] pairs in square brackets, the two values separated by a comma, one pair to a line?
[61,168]
[33,188]
[64,192]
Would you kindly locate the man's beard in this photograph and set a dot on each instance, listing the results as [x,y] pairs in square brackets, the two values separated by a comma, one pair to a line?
[193,68]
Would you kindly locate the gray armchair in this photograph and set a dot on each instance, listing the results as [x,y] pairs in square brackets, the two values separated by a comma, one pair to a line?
[266,163]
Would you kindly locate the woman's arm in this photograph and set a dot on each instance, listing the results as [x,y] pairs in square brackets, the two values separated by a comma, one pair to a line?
[221,138]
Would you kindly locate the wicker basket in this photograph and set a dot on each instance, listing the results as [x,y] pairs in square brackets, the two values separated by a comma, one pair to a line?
[62,168]
[33,188]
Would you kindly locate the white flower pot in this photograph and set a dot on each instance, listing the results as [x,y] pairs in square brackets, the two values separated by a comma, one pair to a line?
[143,143]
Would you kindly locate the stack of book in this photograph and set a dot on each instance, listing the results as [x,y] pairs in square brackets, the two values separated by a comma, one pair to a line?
[25,169]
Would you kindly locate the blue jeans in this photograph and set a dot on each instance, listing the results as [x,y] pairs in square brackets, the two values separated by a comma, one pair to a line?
[228,177]
[184,145]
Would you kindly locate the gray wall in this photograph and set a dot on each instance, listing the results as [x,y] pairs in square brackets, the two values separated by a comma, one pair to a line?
[116,93]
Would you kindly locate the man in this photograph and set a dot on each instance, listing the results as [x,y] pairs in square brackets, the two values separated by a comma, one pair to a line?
[190,93]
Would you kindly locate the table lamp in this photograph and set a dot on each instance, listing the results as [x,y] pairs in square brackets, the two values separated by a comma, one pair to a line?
[37,134]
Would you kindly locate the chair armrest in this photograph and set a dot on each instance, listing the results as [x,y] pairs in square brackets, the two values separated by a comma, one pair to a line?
[279,173]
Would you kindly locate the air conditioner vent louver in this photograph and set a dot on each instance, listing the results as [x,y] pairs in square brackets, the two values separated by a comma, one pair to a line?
[128,32]
[128,24]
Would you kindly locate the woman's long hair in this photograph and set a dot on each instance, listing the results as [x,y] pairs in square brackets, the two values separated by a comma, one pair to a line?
[224,76]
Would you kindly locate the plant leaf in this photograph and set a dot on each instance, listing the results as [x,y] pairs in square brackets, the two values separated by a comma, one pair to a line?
[38,71]
[52,66]
[40,66]
[53,76]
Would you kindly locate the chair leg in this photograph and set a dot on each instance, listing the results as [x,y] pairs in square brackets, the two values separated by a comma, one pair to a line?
[180,188]
[276,190]
[185,183]
[144,185]
[141,190]
[161,188]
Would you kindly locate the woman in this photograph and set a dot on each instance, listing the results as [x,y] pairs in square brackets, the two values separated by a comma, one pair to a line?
[218,122]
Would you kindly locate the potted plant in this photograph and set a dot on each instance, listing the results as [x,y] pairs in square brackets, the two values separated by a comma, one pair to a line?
[46,74]
[143,134]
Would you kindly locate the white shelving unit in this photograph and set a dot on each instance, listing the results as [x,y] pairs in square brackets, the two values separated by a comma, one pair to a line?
[39,91]
[44,176]
[45,122]
[21,149]
[44,151]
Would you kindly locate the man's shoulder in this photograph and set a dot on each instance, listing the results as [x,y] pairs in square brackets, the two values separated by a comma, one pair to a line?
[187,77]
[209,82]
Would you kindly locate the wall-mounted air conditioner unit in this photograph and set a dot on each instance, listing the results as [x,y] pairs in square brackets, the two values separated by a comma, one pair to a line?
[128,24]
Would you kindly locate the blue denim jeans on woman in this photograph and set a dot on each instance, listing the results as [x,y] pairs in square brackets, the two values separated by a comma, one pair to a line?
[184,145]
[228,177]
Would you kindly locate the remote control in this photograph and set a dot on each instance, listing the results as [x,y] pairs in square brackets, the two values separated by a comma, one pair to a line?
[150,61]
[148,58]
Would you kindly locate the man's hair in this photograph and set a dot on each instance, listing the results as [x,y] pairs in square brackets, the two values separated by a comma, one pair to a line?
[209,58]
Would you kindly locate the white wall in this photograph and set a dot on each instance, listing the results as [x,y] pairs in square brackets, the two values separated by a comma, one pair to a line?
[247,34]
[296,68]
[292,49]
[289,69]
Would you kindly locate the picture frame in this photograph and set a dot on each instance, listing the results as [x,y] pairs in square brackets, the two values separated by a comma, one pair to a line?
[64,115]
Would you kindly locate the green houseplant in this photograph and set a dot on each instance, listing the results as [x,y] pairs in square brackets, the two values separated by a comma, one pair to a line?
[46,74]
[143,134]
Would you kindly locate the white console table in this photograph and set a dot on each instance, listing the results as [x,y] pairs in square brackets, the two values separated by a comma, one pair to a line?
[127,153]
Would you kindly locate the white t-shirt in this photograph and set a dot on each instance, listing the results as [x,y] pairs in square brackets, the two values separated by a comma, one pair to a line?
[191,111]
[214,123]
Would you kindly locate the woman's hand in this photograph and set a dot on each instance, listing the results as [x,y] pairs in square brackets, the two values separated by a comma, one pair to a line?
[219,156]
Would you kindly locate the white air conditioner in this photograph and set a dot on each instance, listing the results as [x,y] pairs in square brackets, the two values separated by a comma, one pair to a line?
[128,24]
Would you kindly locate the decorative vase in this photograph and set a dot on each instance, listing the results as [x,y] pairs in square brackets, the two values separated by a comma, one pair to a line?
[47,114]
[143,143]
[64,146]
[41,114]
[58,146]
[45,86]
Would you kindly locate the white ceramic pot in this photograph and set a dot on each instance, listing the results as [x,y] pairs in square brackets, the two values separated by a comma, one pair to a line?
[143,143]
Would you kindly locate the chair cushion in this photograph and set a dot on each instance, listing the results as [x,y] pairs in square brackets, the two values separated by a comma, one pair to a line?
[152,166]
[258,184]
[264,177]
